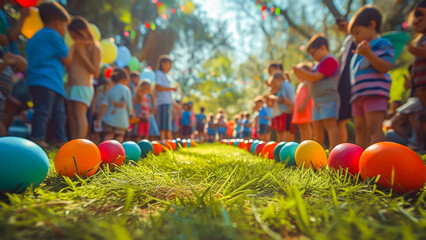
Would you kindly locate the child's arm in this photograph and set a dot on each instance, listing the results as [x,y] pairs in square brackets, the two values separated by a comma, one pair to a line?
[307,75]
[160,88]
[91,64]
[417,51]
[67,61]
[381,65]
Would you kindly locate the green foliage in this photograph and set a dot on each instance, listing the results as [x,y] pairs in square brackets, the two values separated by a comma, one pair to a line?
[211,192]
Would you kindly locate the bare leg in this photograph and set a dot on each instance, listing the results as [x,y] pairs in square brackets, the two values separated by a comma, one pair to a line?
[361,136]
[305,131]
[331,128]
[168,135]
[119,137]
[108,136]
[318,132]
[374,122]
[72,118]
[343,132]
[80,113]
[288,136]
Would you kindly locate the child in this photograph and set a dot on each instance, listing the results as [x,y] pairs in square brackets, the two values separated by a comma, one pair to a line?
[229,129]
[115,120]
[211,128]
[324,89]
[164,97]
[186,121]
[265,115]
[247,126]
[47,54]
[238,120]
[284,92]
[370,81]
[144,114]
[221,123]
[303,106]
[200,121]
[85,66]
[97,103]
[134,82]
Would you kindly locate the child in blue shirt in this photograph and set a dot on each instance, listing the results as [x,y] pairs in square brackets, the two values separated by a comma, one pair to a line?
[47,54]
[116,107]
[265,115]
[211,128]
[246,126]
[186,121]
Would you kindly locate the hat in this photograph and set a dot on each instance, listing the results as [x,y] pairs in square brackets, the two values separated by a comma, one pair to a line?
[162,57]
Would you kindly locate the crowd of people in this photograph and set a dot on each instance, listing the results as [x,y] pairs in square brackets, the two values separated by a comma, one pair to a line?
[135,105]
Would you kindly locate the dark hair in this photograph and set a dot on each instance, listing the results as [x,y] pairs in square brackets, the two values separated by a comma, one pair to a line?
[247,115]
[421,5]
[118,74]
[275,64]
[202,109]
[134,74]
[164,60]
[145,83]
[79,24]
[364,16]
[317,41]
[51,11]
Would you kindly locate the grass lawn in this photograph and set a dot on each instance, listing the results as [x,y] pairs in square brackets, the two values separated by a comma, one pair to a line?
[211,192]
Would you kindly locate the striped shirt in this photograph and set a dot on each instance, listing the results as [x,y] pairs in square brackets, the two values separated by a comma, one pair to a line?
[419,66]
[365,79]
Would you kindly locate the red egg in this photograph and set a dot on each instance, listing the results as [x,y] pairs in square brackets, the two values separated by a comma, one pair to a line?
[268,150]
[112,153]
[259,147]
[397,165]
[248,146]
[345,156]
[231,142]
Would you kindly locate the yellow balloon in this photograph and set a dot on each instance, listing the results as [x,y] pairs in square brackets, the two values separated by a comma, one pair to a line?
[32,23]
[95,31]
[189,7]
[312,154]
[109,51]
[68,39]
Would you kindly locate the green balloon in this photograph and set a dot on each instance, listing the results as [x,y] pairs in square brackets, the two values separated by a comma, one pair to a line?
[134,64]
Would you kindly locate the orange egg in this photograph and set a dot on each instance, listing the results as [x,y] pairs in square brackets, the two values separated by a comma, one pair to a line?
[78,156]
[268,150]
[158,148]
[193,144]
[243,144]
[397,165]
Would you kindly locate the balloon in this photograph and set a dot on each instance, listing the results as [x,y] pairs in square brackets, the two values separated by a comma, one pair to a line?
[123,56]
[157,147]
[312,154]
[112,153]
[268,150]
[397,165]
[27,3]
[32,23]
[134,64]
[132,151]
[95,31]
[108,72]
[79,156]
[22,163]
[277,151]
[146,148]
[345,156]
[109,51]
[68,39]
[287,153]
[189,7]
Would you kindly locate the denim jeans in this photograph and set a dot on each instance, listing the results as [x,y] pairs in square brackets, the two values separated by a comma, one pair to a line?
[48,105]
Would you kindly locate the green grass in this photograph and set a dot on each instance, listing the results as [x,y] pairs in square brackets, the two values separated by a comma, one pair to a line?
[211,192]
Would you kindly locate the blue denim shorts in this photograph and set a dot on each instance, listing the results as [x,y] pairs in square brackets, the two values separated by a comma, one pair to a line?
[165,117]
[325,111]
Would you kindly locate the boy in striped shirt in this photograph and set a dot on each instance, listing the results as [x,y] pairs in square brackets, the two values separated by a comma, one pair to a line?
[370,81]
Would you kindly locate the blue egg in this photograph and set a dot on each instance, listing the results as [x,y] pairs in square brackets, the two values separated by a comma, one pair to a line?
[188,142]
[287,153]
[253,146]
[237,142]
[22,163]
[277,151]
[132,150]
[146,147]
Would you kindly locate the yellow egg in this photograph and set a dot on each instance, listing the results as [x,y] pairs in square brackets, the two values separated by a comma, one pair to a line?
[312,154]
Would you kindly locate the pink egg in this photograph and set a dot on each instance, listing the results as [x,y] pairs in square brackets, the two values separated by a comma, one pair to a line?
[345,156]
[112,153]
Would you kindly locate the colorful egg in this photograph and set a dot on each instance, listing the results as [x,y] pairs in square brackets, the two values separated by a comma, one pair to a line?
[268,150]
[112,153]
[253,146]
[259,147]
[146,147]
[132,151]
[311,154]
[345,156]
[288,152]
[157,147]
[277,151]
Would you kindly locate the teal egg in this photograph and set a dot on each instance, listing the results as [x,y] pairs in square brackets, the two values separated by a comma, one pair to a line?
[146,147]
[287,153]
[188,142]
[253,146]
[132,150]
[237,142]
[22,163]
[277,151]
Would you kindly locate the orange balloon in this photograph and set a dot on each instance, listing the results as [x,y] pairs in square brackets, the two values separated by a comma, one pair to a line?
[397,165]
[158,148]
[32,23]
[78,156]
[268,150]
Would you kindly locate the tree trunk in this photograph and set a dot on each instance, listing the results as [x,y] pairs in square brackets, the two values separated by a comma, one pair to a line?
[156,43]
